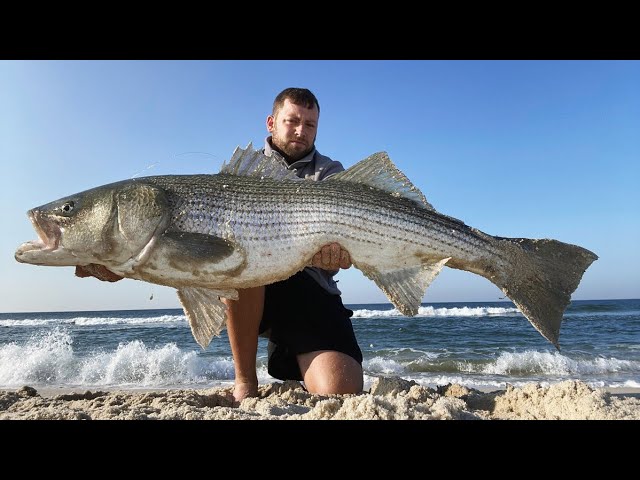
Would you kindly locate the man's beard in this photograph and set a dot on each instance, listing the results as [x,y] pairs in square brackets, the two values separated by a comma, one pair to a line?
[290,152]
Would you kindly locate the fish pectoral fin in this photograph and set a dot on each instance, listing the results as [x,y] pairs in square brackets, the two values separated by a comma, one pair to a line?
[200,245]
[204,310]
[405,287]
[198,253]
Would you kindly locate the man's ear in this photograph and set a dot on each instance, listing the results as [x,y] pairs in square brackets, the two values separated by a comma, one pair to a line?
[271,121]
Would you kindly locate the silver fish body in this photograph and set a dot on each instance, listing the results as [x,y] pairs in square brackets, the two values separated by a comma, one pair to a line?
[256,223]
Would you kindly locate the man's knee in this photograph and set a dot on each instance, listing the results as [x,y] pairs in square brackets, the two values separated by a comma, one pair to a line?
[330,372]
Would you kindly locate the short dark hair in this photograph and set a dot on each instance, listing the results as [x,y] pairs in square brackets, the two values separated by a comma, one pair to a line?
[298,96]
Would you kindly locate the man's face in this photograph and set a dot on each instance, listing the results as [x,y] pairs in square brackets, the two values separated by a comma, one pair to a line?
[294,129]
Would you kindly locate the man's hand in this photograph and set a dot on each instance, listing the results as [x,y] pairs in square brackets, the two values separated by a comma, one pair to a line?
[99,271]
[331,257]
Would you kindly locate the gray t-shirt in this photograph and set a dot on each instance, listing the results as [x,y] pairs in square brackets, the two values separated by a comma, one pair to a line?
[313,166]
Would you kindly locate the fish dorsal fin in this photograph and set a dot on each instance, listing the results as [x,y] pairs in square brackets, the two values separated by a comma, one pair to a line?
[379,171]
[254,163]
[206,314]
[405,287]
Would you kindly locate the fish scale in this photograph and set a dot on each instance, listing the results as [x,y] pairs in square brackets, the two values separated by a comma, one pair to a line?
[263,206]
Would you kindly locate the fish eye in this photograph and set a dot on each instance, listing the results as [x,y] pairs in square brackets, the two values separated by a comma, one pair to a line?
[67,207]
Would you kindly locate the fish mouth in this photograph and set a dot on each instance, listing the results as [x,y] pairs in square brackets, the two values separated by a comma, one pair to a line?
[48,233]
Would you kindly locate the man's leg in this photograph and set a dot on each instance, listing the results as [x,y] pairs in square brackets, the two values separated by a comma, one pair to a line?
[312,337]
[243,323]
[329,372]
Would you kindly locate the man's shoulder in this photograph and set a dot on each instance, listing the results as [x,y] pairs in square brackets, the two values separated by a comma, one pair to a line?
[326,165]
[324,159]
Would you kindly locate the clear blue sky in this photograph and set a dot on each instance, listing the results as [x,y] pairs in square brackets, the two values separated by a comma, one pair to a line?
[539,149]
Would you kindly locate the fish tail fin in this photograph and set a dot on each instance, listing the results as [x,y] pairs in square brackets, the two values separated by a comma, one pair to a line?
[540,277]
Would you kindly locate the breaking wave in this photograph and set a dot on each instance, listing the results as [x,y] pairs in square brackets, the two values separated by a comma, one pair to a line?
[93,321]
[442,312]
[49,359]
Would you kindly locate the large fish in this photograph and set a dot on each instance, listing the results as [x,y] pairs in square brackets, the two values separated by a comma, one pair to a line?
[255,223]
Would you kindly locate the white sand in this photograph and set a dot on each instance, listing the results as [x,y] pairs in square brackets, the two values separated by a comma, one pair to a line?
[389,398]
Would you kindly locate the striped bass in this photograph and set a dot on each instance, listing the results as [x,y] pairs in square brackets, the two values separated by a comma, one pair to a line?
[256,223]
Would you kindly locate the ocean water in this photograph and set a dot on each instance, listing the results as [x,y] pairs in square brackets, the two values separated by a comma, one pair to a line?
[481,345]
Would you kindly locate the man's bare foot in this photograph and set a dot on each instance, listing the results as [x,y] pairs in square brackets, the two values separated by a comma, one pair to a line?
[245,390]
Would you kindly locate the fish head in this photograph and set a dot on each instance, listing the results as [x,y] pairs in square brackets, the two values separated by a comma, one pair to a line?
[108,225]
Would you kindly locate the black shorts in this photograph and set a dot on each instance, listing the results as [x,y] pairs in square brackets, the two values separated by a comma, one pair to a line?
[304,317]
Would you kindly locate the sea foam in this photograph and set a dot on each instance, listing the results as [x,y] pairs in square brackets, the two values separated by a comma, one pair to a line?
[441,312]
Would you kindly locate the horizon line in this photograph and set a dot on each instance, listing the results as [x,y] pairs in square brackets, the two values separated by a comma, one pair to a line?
[346,304]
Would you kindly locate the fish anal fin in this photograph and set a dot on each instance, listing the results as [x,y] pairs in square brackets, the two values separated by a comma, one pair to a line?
[204,310]
[405,287]
[378,171]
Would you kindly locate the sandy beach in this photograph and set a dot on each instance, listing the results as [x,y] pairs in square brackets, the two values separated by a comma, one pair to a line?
[389,398]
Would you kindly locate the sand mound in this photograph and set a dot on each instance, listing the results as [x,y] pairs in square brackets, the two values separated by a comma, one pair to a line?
[388,399]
